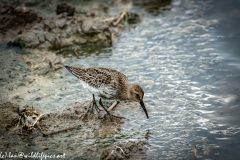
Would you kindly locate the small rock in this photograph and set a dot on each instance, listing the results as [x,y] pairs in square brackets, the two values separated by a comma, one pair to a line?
[50,38]
[65,8]
[88,27]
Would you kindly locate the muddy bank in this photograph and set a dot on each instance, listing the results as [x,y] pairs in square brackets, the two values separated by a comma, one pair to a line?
[130,150]
[23,27]
[45,40]
[65,131]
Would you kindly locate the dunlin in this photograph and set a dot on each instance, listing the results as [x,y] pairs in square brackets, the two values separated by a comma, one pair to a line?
[108,83]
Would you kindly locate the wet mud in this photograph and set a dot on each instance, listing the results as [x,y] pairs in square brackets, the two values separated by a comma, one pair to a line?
[23,27]
[66,131]
[130,150]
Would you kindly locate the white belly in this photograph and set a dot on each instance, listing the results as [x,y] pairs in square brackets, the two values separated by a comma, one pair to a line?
[102,91]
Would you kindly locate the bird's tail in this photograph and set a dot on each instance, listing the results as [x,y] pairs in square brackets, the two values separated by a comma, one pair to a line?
[68,68]
[75,71]
[71,70]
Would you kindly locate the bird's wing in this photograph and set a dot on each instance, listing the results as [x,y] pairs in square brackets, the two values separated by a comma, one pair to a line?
[115,75]
[96,77]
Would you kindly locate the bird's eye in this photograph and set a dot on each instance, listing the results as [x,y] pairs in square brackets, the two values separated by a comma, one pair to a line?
[138,96]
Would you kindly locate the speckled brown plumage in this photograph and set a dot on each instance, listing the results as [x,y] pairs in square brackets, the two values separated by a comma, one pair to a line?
[108,83]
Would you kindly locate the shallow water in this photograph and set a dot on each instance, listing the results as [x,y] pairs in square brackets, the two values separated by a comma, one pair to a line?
[187,61]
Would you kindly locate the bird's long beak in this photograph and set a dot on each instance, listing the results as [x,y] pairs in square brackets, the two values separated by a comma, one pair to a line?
[144,108]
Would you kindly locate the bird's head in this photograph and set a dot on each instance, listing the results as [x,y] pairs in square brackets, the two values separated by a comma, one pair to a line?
[136,93]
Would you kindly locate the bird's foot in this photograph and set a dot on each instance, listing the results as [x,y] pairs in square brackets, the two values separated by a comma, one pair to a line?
[111,116]
[107,112]
[93,105]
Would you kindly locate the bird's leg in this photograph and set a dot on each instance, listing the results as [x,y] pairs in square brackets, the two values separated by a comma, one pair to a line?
[110,108]
[92,105]
[100,102]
